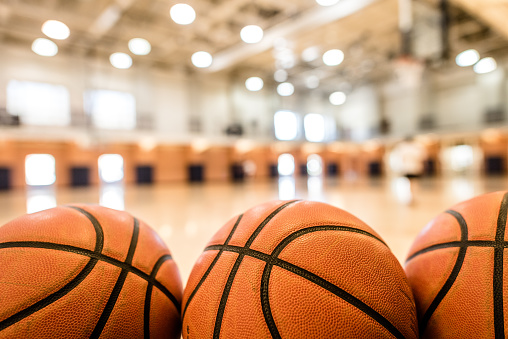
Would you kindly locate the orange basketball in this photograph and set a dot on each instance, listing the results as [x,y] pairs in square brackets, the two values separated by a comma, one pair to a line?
[297,269]
[86,272]
[456,271]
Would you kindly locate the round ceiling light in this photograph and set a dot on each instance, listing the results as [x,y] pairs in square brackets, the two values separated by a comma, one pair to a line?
[44,47]
[310,54]
[333,57]
[254,84]
[140,46]
[251,34]
[485,65]
[312,82]
[280,75]
[120,60]
[56,30]
[327,2]
[202,59]
[337,98]
[285,89]
[182,14]
[467,58]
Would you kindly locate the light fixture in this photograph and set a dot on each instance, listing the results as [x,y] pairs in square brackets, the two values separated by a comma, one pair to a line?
[485,65]
[202,59]
[327,2]
[310,54]
[286,164]
[285,89]
[337,98]
[312,82]
[44,47]
[286,125]
[254,84]
[182,14]
[467,58]
[120,60]
[251,34]
[56,30]
[280,75]
[333,57]
[139,46]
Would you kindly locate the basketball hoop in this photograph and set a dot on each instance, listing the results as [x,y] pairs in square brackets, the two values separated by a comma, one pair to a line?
[408,71]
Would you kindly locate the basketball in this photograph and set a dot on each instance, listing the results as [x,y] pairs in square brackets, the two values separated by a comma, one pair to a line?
[297,269]
[455,269]
[85,271]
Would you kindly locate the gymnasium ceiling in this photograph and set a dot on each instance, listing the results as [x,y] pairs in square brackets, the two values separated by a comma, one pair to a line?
[366,30]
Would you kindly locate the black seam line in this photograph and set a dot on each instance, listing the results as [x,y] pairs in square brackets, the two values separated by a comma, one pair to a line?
[148,296]
[203,278]
[498,270]
[99,243]
[97,256]
[468,243]
[316,280]
[265,279]
[453,275]
[115,293]
[236,266]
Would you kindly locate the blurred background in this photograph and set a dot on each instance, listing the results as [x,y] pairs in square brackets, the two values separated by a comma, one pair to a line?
[185,114]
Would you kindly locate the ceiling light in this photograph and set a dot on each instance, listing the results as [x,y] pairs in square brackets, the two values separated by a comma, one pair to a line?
[139,46]
[280,75]
[254,84]
[467,58]
[202,59]
[120,60]
[485,65]
[312,82]
[337,98]
[44,47]
[327,2]
[310,54]
[56,30]
[285,89]
[182,14]
[333,57]
[251,34]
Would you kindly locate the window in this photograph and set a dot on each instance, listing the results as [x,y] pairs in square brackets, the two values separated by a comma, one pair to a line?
[111,168]
[314,165]
[111,109]
[286,164]
[318,128]
[38,103]
[40,170]
[286,125]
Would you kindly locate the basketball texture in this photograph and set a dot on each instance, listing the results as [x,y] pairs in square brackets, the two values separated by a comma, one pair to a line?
[85,271]
[297,270]
[456,271]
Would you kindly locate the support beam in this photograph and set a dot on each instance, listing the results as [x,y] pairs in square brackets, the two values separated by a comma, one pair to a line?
[311,19]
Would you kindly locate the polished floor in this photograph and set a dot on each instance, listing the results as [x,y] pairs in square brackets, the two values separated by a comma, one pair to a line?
[186,216]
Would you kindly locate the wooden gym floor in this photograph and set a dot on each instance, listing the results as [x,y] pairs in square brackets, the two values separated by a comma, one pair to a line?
[186,216]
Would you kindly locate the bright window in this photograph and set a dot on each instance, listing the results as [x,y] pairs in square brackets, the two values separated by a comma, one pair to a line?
[111,109]
[461,157]
[111,168]
[286,164]
[38,103]
[286,125]
[314,165]
[314,125]
[40,170]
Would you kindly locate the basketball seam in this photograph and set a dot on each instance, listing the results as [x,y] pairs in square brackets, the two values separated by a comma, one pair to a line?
[236,266]
[148,296]
[497,279]
[273,260]
[91,254]
[453,275]
[115,293]
[205,276]
[99,243]
[265,300]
